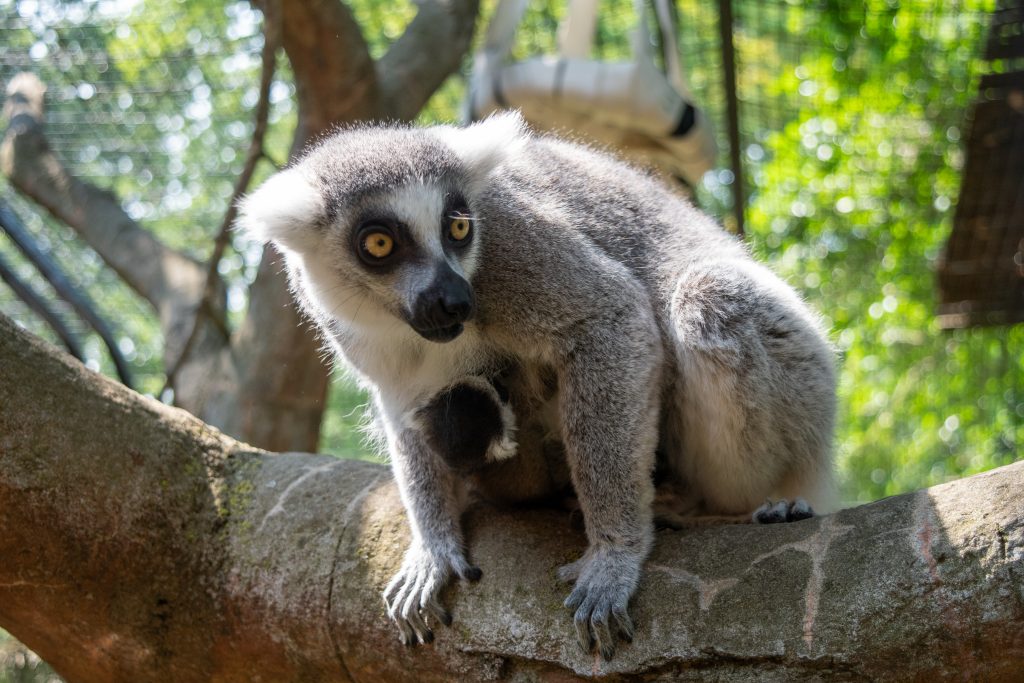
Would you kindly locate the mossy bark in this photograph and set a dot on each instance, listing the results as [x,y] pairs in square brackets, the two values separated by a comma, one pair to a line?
[137,543]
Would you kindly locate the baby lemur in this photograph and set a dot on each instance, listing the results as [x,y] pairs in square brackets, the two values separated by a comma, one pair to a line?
[528,313]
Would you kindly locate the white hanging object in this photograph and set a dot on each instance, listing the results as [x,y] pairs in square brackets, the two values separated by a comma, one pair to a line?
[633,106]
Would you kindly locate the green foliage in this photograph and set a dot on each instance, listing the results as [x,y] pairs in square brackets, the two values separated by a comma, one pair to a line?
[382,22]
[852,195]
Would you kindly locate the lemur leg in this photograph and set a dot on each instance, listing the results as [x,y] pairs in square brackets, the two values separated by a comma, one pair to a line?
[434,503]
[609,408]
[675,511]
[754,405]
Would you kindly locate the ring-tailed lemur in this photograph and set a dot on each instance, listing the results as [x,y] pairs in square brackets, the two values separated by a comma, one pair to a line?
[619,320]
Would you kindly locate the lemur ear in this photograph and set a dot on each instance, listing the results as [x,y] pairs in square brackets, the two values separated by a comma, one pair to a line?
[283,210]
[484,145]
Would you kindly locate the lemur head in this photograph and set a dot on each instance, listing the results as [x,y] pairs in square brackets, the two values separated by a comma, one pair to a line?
[377,223]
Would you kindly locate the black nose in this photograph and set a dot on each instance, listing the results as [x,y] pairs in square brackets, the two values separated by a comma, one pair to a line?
[443,305]
[456,301]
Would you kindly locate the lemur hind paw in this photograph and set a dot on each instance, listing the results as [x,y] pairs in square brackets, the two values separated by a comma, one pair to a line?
[783,511]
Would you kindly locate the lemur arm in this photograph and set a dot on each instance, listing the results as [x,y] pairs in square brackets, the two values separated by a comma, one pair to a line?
[609,406]
[434,505]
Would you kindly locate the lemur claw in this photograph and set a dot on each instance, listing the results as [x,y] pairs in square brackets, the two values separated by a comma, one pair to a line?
[414,593]
[600,598]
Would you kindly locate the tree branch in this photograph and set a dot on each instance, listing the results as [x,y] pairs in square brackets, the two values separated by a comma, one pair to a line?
[139,544]
[159,274]
[170,281]
[431,48]
[335,80]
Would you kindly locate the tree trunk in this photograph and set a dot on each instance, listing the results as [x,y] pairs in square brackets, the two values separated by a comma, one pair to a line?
[140,544]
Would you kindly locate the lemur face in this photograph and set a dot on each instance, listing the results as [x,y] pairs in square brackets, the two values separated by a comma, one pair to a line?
[379,230]
[412,251]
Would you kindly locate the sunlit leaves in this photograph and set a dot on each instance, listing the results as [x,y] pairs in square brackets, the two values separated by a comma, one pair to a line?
[852,199]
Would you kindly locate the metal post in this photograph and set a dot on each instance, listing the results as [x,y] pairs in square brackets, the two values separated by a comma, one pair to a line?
[725,24]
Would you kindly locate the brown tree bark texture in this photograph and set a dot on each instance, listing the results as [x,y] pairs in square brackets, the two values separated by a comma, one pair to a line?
[137,543]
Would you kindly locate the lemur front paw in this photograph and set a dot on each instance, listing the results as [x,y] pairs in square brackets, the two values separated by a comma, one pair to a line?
[605,581]
[414,592]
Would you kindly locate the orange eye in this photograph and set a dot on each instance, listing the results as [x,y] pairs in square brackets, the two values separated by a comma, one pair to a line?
[459,228]
[378,244]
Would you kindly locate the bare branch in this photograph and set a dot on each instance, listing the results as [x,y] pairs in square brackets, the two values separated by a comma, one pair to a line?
[141,545]
[271,42]
[429,51]
[41,306]
[162,276]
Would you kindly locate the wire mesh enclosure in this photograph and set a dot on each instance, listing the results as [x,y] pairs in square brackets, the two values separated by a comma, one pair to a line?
[150,101]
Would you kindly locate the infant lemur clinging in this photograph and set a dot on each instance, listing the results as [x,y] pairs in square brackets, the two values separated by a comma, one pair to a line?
[538,305]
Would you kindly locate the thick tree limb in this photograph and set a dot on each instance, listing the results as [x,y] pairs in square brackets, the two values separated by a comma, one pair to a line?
[335,80]
[139,544]
[431,48]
